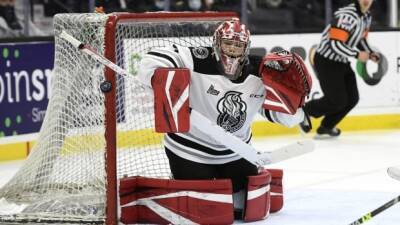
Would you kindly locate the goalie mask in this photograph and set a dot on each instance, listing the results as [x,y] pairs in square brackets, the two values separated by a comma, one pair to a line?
[286,80]
[231,46]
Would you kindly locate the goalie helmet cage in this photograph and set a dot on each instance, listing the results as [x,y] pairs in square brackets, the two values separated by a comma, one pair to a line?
[90,137]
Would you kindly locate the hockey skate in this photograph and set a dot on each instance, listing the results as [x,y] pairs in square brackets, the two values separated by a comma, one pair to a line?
[305,125]
[326,133]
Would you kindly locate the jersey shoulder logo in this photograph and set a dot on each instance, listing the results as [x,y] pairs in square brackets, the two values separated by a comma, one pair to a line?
[232,111]
[211,90]
[200,52]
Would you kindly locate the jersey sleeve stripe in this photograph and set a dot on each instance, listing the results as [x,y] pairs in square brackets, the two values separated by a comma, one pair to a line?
[175,56]
[159,61]
[193,138]
[197,146]
[164,56]
[365,45]
[349,12]
[266,114]
[341,49]
[274,117]
[194,154]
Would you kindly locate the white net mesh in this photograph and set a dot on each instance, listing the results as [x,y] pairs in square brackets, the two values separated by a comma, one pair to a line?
[63,180]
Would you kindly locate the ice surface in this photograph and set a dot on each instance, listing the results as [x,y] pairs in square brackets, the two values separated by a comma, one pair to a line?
[340,181]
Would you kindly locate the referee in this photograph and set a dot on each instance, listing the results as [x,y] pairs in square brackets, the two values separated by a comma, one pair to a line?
[344,38]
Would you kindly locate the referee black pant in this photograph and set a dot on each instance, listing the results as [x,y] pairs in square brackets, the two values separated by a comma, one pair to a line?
[339,86]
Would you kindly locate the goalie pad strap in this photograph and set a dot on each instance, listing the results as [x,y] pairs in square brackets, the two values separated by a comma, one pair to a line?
[276,190]
[258,197]
[165,201]
[171,100]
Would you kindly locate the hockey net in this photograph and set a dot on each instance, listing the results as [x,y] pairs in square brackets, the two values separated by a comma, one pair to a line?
[90,139]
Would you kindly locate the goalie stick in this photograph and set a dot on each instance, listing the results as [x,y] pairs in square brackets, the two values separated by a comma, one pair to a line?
[218,133]
[370,215]
[394,173]
[246,150]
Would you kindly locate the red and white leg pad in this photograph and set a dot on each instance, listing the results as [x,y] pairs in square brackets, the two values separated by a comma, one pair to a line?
[165,201]
[276,190]
[258,197]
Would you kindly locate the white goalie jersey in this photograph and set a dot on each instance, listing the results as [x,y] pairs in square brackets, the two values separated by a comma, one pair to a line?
[230,104]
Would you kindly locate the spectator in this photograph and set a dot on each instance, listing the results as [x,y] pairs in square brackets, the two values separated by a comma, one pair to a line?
[7,11]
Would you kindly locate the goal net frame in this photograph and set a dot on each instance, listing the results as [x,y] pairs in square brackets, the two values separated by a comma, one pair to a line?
[110,96]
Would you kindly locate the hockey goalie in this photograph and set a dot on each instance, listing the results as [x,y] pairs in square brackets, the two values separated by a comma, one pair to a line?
[212,184]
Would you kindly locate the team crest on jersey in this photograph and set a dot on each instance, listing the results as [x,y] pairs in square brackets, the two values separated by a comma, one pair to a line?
[200,52]
[232,111]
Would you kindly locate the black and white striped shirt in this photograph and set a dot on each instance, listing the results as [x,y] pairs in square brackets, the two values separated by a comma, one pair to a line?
[346,35]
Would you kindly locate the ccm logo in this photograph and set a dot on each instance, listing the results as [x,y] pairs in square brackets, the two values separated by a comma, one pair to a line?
[256,96]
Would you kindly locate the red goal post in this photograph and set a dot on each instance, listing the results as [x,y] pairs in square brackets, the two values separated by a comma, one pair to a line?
[89,138]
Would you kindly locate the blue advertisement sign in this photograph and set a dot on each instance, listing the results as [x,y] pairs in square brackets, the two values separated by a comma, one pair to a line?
[25,71]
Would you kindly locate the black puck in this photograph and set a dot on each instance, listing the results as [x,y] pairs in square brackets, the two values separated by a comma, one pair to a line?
[105,86]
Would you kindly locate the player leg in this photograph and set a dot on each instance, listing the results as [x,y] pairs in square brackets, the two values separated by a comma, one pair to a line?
[352,95]
[238,171]
[146,200]
[183,169]
[258,197]
[331,77]
[350,91]
[276,189]
[181,200]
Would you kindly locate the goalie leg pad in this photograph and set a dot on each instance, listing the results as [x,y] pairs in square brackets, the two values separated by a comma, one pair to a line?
[258,197]
[276,189]
[166,201]
[171,100]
